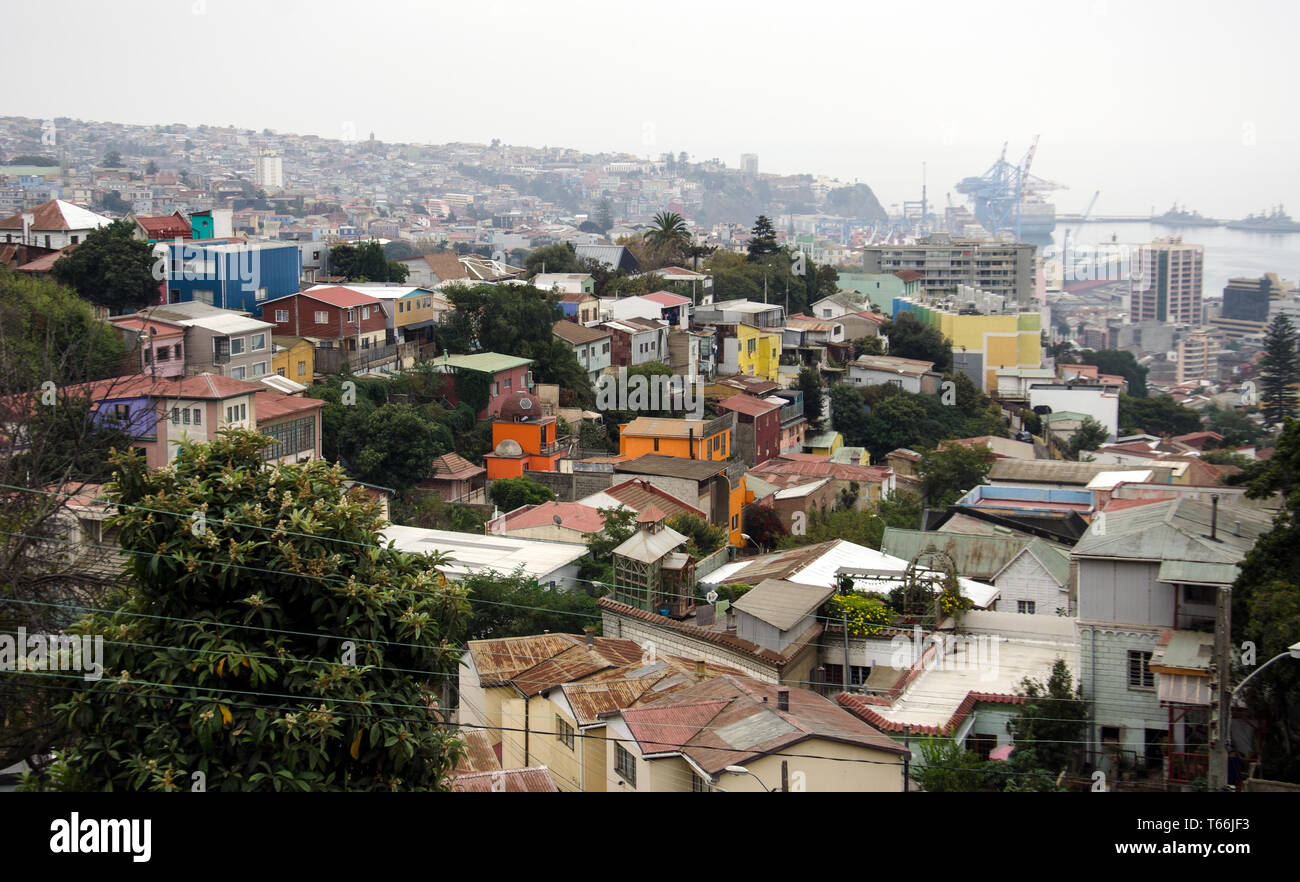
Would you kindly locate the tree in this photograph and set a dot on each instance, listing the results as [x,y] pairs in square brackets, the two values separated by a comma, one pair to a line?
[151,168]
[509,494]
[762,239]
[558,258]
[1053,720]
[909,338]
[1237,429]
[868,346]
[1120,362]
[112,159]
[848,415]
[366,262]
[762,524]
[1279,371]
[668,237]
[810,384]
[598,564]
[947,767]
[702,537]
[952,470]
[1089,436]
[1157,415]
[234,664]
[514,605]
[398,447]
[111,269]
[867,527]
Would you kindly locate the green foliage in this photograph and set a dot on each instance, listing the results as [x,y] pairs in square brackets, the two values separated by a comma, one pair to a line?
[366,262]
[667,239]
[1119,362]
[110,269]
[730,592]
[560,258]
[762,239]
[515,320]
[514,605]
[64,442]
[866,616]
[869,346]
[1053,721]
[703,538]
[509,494]
[1266,608]
[1279,371]
[598,564]
[909,338]
[397,447]
[226,648]
[1237,429]
[473,388]
[900,509]
[810,384]
[1088,436]
[944,766]
[417,508]
[1157,415]
[762,524]
[51,334]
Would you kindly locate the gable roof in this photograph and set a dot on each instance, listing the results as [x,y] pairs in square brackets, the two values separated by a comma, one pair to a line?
[782,604]
[454,467]
[336,295]
[57,216]
[1174,530]
[572,332]
[639,494]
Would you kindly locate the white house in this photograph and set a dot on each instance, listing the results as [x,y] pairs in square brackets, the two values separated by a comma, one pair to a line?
[1093,401]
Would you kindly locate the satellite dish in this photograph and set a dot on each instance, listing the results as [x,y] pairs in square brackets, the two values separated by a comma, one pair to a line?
[525,403]
[557,520]
[711,597]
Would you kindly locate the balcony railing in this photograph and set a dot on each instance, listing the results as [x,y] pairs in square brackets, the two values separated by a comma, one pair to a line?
[1187,768]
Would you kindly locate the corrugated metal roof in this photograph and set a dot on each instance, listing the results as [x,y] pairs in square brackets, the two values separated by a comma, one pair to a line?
[536,779]
[479,755]
[498,660]
[1199,573]
[782,604]
[648,547]
[484,362]
[976,556]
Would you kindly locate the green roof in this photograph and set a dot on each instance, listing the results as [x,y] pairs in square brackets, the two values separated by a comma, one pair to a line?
[976,556]
[1198,573]
[1064,415]
[484,362]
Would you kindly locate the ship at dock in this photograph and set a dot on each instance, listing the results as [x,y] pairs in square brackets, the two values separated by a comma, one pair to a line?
[1181,217]
[1275,221]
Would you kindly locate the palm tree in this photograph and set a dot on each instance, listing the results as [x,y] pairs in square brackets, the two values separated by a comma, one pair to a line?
[668,237]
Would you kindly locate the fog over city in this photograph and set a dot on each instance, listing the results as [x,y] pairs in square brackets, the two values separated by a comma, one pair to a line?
[1148,102]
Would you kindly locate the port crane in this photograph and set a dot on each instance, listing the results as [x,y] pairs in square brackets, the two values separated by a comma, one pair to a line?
[1000,192]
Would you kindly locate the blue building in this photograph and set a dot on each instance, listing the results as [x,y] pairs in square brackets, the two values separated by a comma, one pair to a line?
[232,274]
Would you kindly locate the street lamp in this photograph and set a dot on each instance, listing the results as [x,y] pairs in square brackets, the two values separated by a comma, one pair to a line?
[741,770]
[1293,651]
[1217,775]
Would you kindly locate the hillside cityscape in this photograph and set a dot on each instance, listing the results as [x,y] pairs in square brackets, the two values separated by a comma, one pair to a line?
[347,464]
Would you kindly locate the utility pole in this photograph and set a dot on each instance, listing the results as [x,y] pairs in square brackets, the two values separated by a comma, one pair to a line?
[1220,692]
[846,651]
[907,760]
[785,777]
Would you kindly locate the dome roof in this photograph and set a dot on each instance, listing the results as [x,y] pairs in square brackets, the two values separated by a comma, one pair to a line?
[519,406]
[509,447]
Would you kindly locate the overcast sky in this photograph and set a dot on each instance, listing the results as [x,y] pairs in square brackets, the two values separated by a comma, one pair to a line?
[1147,101]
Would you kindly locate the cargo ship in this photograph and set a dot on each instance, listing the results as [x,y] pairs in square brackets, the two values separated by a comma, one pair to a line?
[1275,221]
[1176,217]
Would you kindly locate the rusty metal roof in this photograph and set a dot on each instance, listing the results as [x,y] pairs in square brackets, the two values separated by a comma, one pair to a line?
[498,660]
[733,720]
[536,779]
[541,662]
[479,755]
[611,691]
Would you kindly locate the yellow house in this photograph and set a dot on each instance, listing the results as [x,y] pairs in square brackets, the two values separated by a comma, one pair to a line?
[758,352]
[688,439]
[983,344]
[824,443]
[294,358]
[418,311]
[544,698]
[760,727]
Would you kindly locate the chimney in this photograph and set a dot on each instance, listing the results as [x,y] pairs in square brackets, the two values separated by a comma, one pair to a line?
[783,698]
[1214,518]
[591,635]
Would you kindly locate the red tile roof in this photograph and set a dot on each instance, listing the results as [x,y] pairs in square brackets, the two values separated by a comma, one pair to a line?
[668,299]
[908,275]
[168,227]
[860,706]
[573,515]
[273,405]
[339,296]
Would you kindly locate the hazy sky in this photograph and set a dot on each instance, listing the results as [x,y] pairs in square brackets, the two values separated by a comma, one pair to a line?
[1147,101]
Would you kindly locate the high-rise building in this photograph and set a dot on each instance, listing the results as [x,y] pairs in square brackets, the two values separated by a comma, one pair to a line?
[1167,283]
[947,262]
[269,174]
[749,164]
[1198,354]
[1247,302]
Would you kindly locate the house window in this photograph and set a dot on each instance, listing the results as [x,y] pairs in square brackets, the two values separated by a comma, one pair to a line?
[564,732]
[507,382]
[1139,669]
[365,313]
[279,372]
[699,785]
[322,317]
[1199,593]
[1025,606]
[185,416]
[735,522]
[625,764]
[656,444]
[198,416]
[259,369]
[260,294]
[428,301]
[365,342]
[121,412]
[164,353]
[176,416]
[752,345]
[259,342]
[282,315]
[604,349]
[236,345]
[148,356]
[238,373]
[302,368]
[352,315]
[982,745]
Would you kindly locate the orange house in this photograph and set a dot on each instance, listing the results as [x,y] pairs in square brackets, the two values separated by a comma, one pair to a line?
[687,439]
[522,439]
